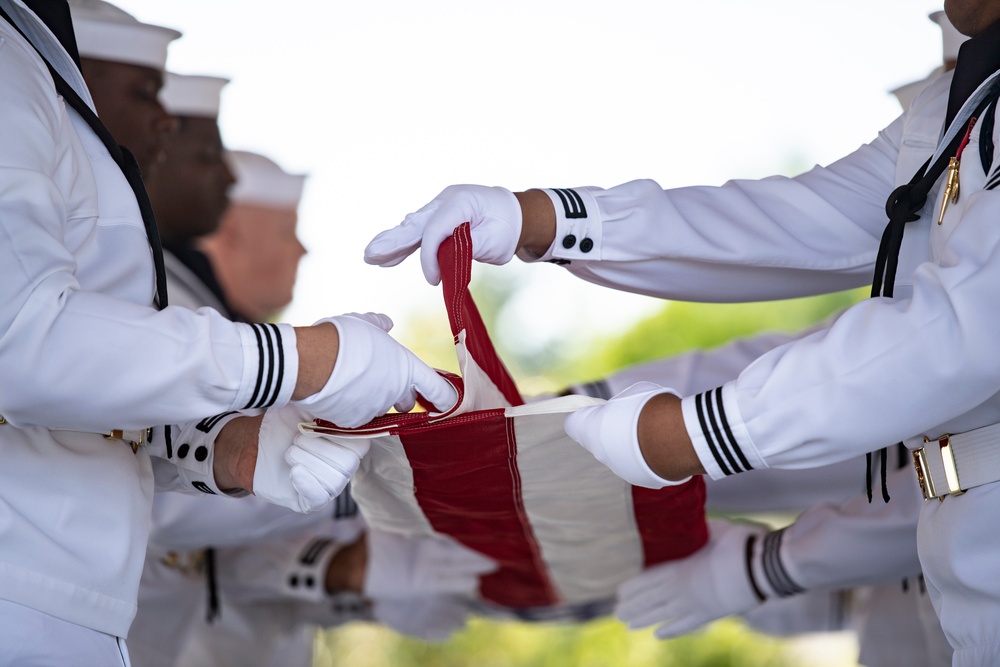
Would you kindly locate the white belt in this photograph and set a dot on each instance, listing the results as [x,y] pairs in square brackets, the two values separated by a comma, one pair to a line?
[953,464]
[134,439]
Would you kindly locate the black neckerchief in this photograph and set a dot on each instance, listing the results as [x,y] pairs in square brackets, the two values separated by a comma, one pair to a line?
[55,15]
[199,264]
[978,59]
[902,208]
[122,156]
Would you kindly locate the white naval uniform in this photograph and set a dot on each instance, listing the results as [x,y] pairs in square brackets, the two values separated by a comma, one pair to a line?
[186,288]
[272,601]
[263,620]
[173,591]
[870,548]
[84,352]
[766,490]
[888,370]
[269,582]
[839,542]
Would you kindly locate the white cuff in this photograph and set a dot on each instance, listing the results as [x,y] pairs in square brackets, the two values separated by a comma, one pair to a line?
[270,367]
[305,578]
[716,429]
[767,569]
[191,448]
[578,227]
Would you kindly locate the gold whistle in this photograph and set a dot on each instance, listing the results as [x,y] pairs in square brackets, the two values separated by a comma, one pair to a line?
[950,188]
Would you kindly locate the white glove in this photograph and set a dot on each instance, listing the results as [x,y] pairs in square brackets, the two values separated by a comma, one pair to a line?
[610,433]
[301,471]
[683,595]
[374,373]
[493,213]
[819,610]
[435,618]
[412,567]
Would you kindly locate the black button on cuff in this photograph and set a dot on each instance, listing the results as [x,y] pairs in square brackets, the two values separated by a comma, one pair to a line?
[569,241]
[586,245]
[201,453]
[182,451]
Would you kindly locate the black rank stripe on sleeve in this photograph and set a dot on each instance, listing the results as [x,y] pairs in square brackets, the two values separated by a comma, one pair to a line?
[313,550]
[272,366]
[572,203]
[986,126]
[344,506]
[774,569]
[748,551]
[993,180]
[207,424]
[168,439]
[595,389]
[718,435]
[986,148]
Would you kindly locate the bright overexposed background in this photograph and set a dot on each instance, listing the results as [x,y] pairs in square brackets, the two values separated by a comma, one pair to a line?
[385,102]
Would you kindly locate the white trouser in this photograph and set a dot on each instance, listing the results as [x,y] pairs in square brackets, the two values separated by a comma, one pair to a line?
[30,638]
[171,602]
[896,625]
[959,544]
[260,634]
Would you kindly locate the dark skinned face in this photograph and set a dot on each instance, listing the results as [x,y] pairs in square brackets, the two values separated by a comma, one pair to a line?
[127,103]
[189,187]
[971,17]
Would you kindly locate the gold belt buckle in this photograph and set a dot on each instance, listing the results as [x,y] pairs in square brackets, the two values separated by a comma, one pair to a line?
[924,473]
[950,467]
[924,477]
[189,564]
[119,434]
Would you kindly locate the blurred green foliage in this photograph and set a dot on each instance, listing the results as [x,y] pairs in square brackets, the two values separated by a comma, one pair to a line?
[604,643]
[677,327]
[682,326]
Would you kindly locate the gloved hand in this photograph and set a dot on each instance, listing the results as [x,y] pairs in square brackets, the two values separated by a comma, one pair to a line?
[374,373]
[493,213]
[412,567]
[432,618]
[301,471]
[610,433]
[817,610]
[683,595]
[422,586]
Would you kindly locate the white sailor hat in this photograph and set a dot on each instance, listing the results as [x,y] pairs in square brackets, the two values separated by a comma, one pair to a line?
[192,94]
[951,39]
[105,32]
[906,93]
[260,181]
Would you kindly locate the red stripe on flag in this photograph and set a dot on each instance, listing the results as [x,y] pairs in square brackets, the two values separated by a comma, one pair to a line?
[466,481]
[671,520]
[455,260]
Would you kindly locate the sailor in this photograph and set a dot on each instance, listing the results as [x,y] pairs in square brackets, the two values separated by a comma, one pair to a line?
[916,361]
[255,251]
[951,41]
[90,363]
